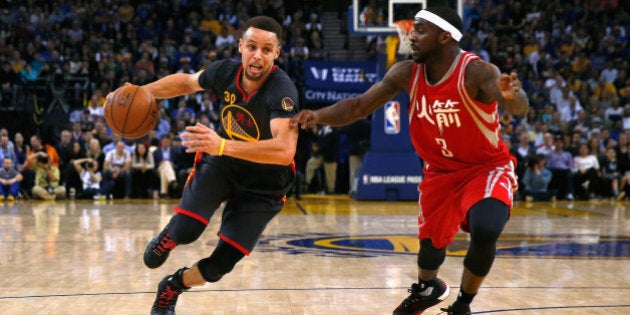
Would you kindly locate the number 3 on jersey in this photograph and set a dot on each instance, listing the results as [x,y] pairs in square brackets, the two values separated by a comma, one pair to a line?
[446,152]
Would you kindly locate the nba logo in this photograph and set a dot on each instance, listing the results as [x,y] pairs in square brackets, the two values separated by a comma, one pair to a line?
[392,118]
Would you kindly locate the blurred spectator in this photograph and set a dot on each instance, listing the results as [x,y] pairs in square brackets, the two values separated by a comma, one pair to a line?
[70,177]
[164,157]
[586,173]
[569,113]
[38,146]
[117,168]
[29,75]
[145,63]
[316,47]
[91,178]
[95,108]
[614,112]
[609,73]
[143,175]
[325,153]
[358,142]
[183,163]
[94,152]
[313,24]
[536,180]
[611,174]
[46,179]
[574,143]
[548,144]
[114,142]
[77,132]
[183,112]
[7,150]
[64,150]
[164,124]
[522,152]
[225,40]
[560,163]
[21,150]
[299,51]
[10,180]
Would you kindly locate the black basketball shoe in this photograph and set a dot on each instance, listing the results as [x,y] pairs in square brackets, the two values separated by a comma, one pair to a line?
[457,308]
[169,290]
[423,296]
[158,249]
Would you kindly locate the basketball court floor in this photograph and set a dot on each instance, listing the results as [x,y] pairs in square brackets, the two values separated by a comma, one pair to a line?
[321,255]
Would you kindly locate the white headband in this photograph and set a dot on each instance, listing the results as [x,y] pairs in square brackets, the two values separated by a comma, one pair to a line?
[440,22]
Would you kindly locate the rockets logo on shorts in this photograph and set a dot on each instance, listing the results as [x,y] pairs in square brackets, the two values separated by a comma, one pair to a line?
[392,118]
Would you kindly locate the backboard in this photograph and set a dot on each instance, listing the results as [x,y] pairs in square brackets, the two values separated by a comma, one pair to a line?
[377,17]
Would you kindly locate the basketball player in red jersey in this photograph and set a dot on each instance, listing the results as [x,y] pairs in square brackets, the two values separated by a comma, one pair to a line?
[454,127]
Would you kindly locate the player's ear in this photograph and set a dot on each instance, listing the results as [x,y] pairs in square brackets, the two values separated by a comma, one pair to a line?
[240,43]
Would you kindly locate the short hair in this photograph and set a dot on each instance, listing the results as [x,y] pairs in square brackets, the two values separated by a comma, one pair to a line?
[449,15]
[264,23]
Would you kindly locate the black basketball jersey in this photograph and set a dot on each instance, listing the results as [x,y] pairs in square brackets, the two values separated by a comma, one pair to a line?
[247,117]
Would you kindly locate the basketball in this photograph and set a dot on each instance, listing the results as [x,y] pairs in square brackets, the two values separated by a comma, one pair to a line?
[131,112]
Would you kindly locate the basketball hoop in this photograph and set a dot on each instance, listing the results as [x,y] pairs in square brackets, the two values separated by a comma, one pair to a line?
[404,28]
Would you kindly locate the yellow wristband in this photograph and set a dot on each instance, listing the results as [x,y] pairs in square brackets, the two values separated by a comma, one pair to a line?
[222,146]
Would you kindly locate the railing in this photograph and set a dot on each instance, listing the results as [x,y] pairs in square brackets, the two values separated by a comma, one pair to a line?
[45,95]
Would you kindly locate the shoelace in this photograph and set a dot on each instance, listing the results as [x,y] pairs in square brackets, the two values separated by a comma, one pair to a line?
[166,297]
[412,298]
[165,244]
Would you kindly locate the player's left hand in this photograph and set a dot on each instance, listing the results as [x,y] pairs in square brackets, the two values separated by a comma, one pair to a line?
[304,118]
[201,138]
[509,85]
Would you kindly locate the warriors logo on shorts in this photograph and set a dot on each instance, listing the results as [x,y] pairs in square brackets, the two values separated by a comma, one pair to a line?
[287,104]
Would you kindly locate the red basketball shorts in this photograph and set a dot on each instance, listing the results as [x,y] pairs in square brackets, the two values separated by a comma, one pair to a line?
[445,198]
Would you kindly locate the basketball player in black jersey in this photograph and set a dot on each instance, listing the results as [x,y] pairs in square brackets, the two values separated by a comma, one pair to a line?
[247,163]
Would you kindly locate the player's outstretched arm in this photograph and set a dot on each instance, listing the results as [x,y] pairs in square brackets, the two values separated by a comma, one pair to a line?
[348,110]
[175,84]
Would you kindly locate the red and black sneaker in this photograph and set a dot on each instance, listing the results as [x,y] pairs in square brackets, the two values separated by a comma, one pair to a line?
[169,290]
[158,249]
[423,296]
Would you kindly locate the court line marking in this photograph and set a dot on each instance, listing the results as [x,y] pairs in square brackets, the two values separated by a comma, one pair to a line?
[311,289]
[299,206]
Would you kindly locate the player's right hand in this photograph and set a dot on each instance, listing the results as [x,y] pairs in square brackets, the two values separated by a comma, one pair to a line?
[305,118]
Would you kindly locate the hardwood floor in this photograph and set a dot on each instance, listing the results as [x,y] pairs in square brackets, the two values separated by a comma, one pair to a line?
[321,255]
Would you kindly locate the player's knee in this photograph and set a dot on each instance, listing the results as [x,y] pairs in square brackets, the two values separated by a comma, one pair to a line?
[429,257]
[485,234]
[486,220]
[479,266]
[185,229]
[221,262]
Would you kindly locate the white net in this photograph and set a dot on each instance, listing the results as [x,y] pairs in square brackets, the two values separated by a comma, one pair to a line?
[404,28]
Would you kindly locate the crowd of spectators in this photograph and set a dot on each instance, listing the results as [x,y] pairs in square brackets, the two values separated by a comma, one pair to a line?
[572,57]
[108,43]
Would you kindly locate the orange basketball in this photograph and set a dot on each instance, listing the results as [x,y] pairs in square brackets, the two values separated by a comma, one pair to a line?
[131,111]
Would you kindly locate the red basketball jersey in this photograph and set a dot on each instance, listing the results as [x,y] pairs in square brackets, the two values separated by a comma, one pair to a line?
[449,129]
